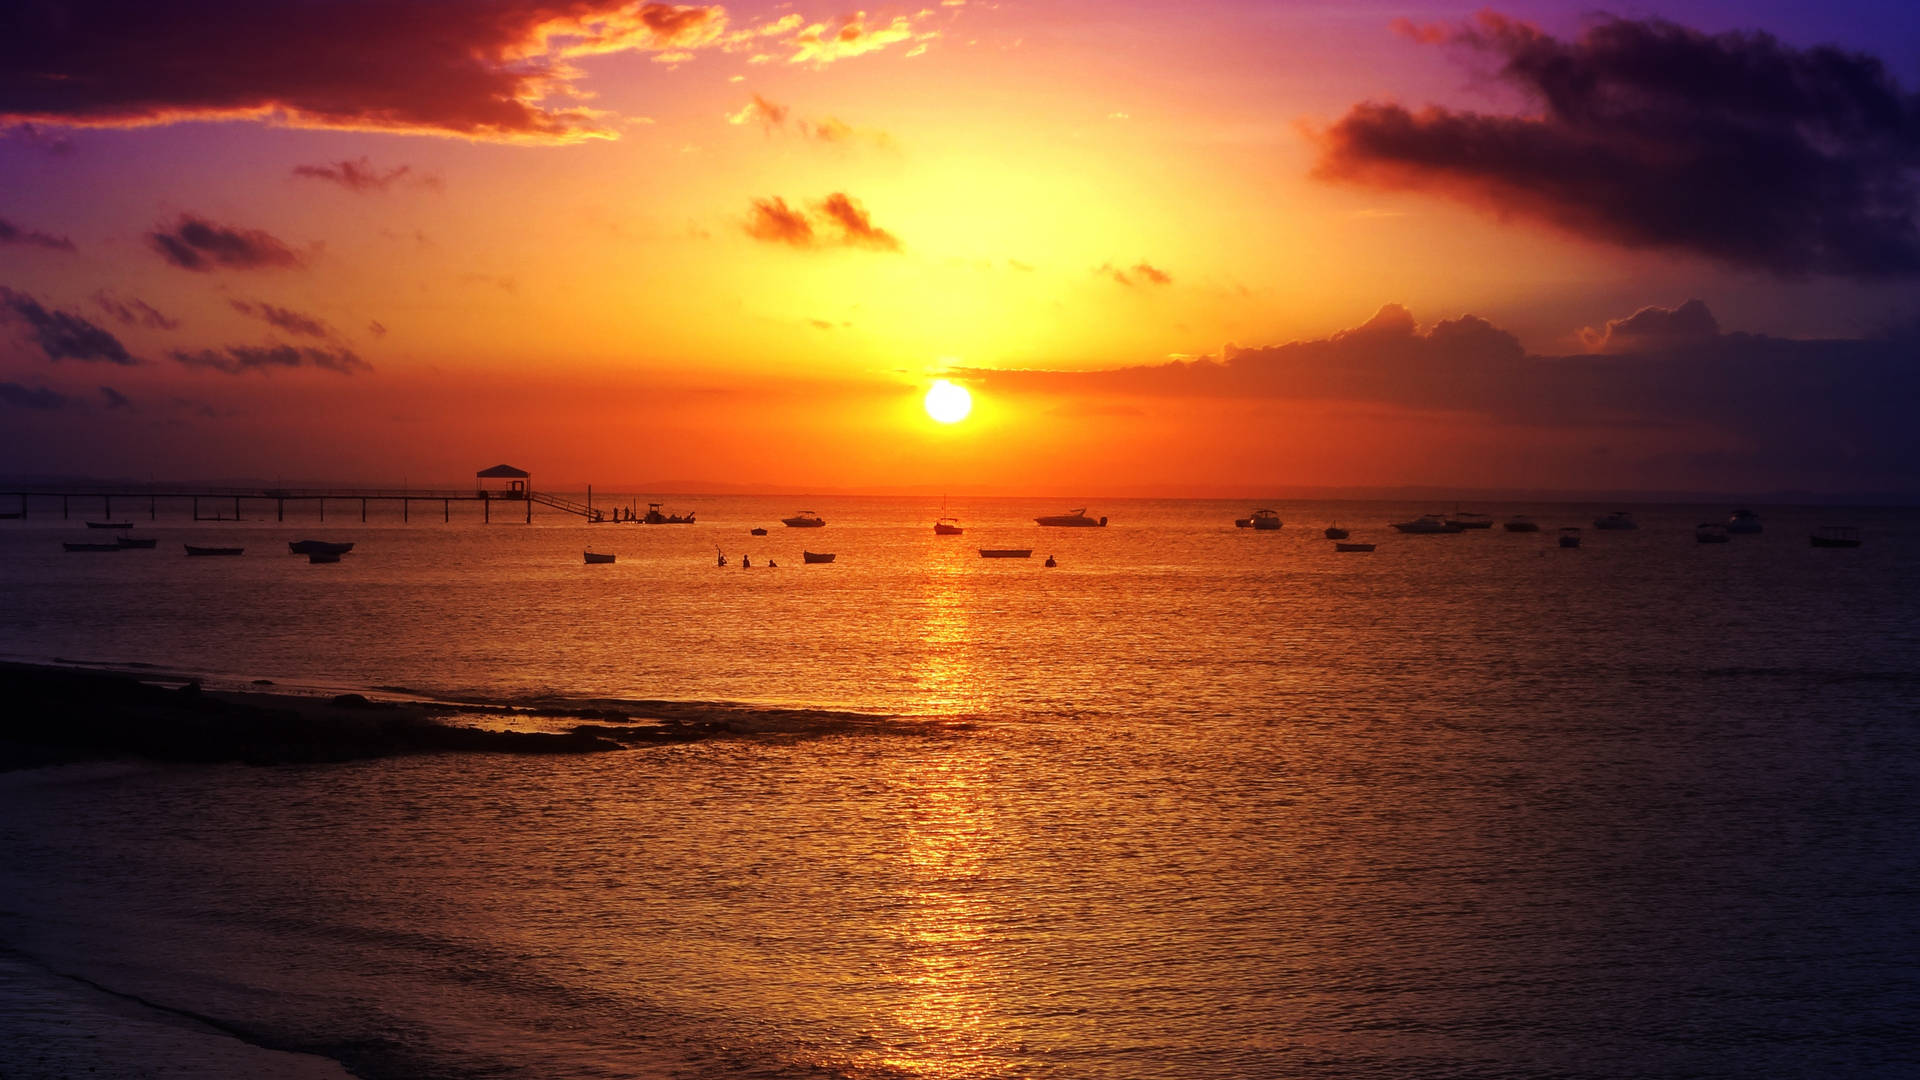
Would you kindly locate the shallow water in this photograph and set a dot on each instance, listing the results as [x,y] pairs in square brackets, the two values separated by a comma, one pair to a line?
[1230,805]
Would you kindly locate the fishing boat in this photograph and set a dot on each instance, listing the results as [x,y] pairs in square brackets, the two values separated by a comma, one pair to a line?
[655,517]
[144,544]
[595,558]
[1570,537]
[319,547]
[1266,520]
[1616,521]
[947,526]
[817,556]
[1743,522]
[805,519]
[1006,553]
[1521,523]
[1425,524]
[1334,532]
[756,532]
[1353,547]
[1835,536]
[323,557]
[71,546]
[1077,519]
[192,550]
[1470,520]
[1711,533]
[109,524]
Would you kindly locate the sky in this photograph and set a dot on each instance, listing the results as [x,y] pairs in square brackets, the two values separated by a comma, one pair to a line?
[1208,248]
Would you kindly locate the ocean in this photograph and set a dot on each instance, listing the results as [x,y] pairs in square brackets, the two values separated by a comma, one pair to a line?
[1200,802]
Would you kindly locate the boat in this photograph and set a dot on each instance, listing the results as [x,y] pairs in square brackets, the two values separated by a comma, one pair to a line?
[805,519]
[756,532]
[1078,519]
[1617,520]
[1711,533]
[1470,520]
[1426,523]
[1353,547]
[1050,562]
[1266,520]
[1835,536]
[947,527]
[192,550]
[1521,523]
[1570,537]
[109,524]
[323,557]
[1243,523]
[655,517]
[318,547]
[1334,532]
[1743,522]
[146,544]
[817,556]
[1006,553]
[71,546]
[595,559]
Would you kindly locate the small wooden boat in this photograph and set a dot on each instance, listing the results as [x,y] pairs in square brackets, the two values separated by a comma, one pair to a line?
[1353,547]
[1835,536]
[1006,553]
[323,557]
[756,532]
[594,558]
[71,546]
[1570,537]
[947,527]
[145,544]
[817,556]
[1521,523]
[805,519]
[1711,533]
[109,524]
[318,547]
[1334,532]
[192,550]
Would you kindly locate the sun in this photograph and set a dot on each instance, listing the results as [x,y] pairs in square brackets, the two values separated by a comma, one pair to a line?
[948,403]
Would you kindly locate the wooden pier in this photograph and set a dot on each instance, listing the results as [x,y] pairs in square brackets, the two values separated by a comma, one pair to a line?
[30,501]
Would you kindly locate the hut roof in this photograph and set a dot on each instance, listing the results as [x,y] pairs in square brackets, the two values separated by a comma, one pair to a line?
[502,472]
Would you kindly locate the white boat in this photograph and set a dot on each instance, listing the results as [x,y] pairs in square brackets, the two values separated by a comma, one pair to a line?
[805,519]
[1266,520]
[1426,523]
[1617,520]
[1078,519]
[1743,522]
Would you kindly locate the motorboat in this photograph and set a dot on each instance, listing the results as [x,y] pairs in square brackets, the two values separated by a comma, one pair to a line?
[756,532]
[144,544]
[1743,522]
[1006,553]
[1353,547]
[1334,532]
[109,524]
[1078,519]
[1711,533]
[1835,536]
[1618,520]
[1521,523]
[594,558]
[1570,537]
[1427,523]
[1266,520]
[71,546]
[319,547]
[805,519]
[817,556]
[655,517]
[1470,520]
[947,526]
[192,550]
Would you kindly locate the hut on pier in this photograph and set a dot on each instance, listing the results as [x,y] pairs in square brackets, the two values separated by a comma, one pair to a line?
[515,487]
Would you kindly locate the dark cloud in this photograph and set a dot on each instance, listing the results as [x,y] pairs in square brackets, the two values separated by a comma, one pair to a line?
[293,322]
[376,328]
[196,244]
[856,226]
[359,175]
[62,335]
[239,359]
[499,69]
[775,222]
[38,398]
[1139,274]
[13,234]
[1647,134]
[133,311]
[1654,328]
[115,399]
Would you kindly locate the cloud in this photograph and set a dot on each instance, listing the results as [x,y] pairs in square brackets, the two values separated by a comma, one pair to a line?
[359,175]
[441,67]
[239,359]
[820,44]
[856,226]
[760,111]
[41,139]
[1650,135]
[38,398]
[13,234]
[293,322]
[62,335]
[1141,273]
[115,399]
[1654,328]
[133,311]
[376,328]
[199,245]
[775,222]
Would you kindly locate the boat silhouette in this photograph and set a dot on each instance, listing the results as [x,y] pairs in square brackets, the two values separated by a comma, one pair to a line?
[1078,519]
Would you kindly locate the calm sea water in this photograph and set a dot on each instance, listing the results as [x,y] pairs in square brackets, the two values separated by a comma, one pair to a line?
[1227,804]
